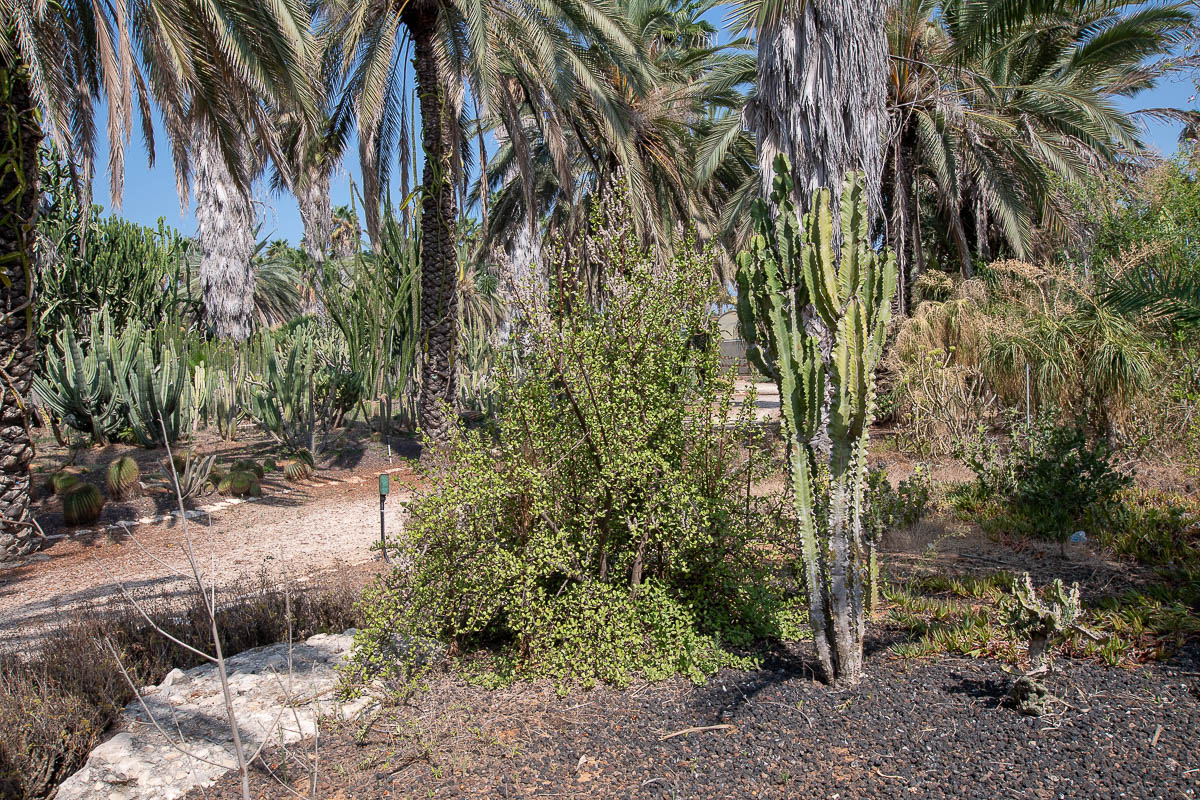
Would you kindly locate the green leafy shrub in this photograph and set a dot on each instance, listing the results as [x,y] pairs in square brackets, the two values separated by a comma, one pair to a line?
[902,507]
[604,529]
[1045,484]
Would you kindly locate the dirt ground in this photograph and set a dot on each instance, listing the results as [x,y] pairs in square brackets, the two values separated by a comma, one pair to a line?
[295,529]
[933,728]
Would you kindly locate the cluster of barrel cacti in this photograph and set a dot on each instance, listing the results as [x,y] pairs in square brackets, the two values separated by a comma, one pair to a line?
[815,315]
[81,501]
[240,483]
[193,474]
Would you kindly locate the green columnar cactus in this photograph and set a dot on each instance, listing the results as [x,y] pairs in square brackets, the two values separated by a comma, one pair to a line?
[796,289]
[82,504]
[122,478]
[161,391]
[83,389]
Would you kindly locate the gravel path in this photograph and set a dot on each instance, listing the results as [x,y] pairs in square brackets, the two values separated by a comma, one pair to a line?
[313,528]
[911,730]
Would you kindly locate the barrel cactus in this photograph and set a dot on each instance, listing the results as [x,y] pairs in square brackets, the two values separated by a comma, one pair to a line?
[82,504]
[248,465]
[122,478]
[64,479]
[297,469]
[240,483]
[813,303]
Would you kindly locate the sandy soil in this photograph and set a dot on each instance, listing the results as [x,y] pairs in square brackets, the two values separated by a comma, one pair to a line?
[312,527]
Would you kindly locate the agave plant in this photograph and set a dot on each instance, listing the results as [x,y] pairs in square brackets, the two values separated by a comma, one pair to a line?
[83,389]
[189,474]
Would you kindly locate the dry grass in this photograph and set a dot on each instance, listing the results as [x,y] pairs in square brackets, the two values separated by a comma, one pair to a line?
[56,703]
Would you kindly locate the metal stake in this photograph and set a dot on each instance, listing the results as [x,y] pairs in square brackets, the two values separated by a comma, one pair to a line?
[383,493]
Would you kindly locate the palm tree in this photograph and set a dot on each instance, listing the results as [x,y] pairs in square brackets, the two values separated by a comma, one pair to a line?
[224,234]
[821,93]
[57,60]
[457,49]
[655,158]
[992,112]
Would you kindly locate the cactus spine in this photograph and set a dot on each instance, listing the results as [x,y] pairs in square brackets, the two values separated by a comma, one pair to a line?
[788,281]
[122,478]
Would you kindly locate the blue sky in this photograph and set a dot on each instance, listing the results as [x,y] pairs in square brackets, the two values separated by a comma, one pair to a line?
[150,193]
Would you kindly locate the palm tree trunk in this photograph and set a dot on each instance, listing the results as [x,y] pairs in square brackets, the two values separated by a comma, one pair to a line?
[905,222]
[822,97]
[225,234]
[439,256]
[19,535]
[316,212]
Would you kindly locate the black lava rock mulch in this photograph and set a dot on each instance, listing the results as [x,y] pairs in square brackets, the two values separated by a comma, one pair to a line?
[932,729]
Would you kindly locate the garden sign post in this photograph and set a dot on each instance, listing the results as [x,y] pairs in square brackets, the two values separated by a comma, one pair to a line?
[383,493]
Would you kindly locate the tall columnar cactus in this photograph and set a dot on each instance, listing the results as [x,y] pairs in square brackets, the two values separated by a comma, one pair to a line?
[815,315]
[161,391]
[83,389]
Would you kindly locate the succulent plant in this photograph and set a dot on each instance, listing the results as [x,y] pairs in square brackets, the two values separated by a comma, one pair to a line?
[158,393]
[83,389]
[248,465]
[82,504]
[295,469]
[215,476]
[63,480]
[193,472]
[241,483]
[794,278]
[121,480]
